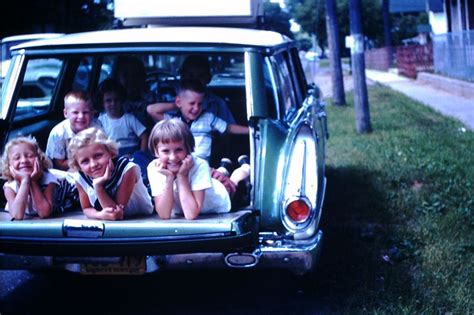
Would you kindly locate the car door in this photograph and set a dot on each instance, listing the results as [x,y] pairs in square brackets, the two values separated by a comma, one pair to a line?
[291,141]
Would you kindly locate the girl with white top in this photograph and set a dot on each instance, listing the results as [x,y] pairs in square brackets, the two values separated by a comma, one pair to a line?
[110,187]
[181,183]
[30,188]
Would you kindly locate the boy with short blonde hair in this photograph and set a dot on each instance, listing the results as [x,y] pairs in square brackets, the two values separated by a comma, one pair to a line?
[79,115]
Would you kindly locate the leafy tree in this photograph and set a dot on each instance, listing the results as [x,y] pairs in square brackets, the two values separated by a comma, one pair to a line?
[276,19]
[310,14]
[404,26]
[95,16]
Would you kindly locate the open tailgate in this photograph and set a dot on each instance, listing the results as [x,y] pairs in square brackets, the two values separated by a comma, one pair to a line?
[75,235]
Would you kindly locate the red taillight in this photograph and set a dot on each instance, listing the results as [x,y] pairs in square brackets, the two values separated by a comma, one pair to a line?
[297,210]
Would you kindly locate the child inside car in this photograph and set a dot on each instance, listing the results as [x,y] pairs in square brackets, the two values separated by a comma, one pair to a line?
[79,115]
[124,128]
[30,187]
[189,100]
[110,187]
[180,181]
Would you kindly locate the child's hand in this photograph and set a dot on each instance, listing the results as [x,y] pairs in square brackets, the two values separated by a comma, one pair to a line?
[37,171]
[112,213]
[186,165]
[19,175]
[163,169]
[100,181]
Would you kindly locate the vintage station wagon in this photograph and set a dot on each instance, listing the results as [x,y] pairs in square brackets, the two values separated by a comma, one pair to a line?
[259,75]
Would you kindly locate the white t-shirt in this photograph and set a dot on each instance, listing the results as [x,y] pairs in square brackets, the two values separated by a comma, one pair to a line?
[59,138]
[216,197]
[139,202]
[47,179]
[125,130]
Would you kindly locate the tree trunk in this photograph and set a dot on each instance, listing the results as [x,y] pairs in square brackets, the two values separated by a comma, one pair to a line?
[361,102]
[332,29]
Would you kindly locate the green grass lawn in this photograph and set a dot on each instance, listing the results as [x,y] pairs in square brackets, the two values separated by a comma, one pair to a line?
[398,216]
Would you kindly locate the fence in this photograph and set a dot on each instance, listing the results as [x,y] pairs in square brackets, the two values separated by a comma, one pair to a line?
[378,59]
[454,55]
[414,58]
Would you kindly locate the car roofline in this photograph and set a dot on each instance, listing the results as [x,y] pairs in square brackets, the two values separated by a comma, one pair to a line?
[165,35]
[30,37]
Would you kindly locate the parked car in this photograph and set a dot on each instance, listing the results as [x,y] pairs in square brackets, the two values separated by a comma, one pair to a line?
[8,42]
[258,73]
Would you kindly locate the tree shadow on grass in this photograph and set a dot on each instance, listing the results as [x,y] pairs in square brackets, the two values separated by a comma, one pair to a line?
[355,228]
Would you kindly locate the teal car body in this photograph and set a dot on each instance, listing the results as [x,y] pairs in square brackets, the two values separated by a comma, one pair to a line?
[258,73]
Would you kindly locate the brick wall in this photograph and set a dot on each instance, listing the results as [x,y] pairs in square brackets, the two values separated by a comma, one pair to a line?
[414,58]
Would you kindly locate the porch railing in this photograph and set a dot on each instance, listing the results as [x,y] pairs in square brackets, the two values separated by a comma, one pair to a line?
[453,55]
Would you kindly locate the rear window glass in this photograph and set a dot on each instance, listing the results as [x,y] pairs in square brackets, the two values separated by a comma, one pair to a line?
[37,87]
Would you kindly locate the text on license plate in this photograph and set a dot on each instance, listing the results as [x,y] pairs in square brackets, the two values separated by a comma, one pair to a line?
[130,265]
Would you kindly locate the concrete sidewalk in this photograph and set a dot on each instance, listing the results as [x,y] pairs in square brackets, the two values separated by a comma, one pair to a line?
[447,103]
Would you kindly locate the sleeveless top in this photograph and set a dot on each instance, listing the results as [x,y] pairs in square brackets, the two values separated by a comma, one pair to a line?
[140,201]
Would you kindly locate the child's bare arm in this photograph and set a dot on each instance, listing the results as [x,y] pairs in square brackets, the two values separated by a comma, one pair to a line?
[126,187]
[43,199]
[164,202]
[99,187]
[158,110]
[191,201]
[109,213]
[237,129]
[17,201]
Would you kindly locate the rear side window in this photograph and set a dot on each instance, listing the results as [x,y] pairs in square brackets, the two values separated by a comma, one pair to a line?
[286,90]
[37,88]
[298,75]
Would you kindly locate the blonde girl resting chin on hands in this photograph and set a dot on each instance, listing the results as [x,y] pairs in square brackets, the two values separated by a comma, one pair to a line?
[110,187]
[29,189]
[181,183]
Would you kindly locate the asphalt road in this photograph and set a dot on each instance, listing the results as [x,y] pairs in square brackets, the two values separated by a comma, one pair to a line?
[170,292]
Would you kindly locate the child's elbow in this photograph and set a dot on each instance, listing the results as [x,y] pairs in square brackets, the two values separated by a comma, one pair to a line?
[44,214]
[164,216]
[191,216]
[17,216]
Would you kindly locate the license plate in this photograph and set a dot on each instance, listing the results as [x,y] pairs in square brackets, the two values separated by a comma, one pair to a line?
[130,265]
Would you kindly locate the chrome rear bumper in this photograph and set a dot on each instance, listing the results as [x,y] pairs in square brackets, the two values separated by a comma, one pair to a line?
[299,256]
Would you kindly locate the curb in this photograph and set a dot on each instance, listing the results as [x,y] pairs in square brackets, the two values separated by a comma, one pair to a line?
[455,86]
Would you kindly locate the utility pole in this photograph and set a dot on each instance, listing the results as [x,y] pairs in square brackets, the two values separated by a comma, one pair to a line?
[332,29]
[361,102]
[387,29]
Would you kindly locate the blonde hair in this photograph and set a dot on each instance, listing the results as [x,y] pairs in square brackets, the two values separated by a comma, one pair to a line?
[171,130]
[44,162]
[75,96]
[88,137]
